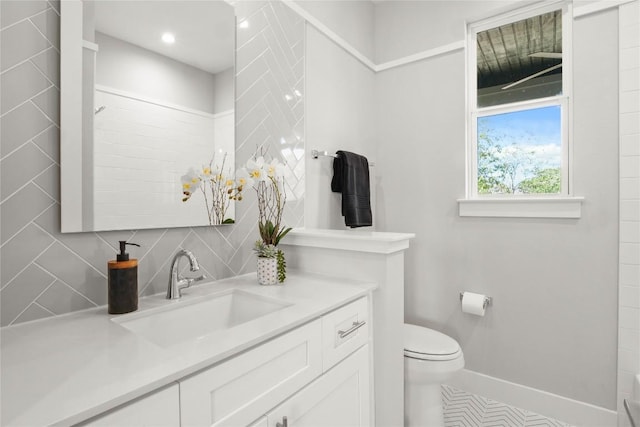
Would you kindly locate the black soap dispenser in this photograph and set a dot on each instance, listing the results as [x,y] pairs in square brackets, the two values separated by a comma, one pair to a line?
[123,282]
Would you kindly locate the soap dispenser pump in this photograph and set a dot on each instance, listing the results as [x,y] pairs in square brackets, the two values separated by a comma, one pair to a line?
[123,282]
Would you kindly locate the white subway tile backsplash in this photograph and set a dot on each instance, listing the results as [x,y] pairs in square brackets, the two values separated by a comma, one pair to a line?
[630,166]
[630,58]
[629,275]
[629,339]
[630,122]
[625,381]
[630,253]
[629,79]
[629,296]
[628,361]
[629,317]
[629,33]
[630,101]
[630,145]
[628,16]
[629,210]
[122,144]
[629,188]
[630,231]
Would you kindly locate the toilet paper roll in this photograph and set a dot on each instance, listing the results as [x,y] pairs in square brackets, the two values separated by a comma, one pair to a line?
[473,303]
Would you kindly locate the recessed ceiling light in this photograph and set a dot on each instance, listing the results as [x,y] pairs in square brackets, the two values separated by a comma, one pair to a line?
[244,24]
[168,38]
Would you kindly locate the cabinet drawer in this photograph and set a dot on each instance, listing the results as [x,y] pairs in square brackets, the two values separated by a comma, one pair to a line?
[239,391]
[343,331]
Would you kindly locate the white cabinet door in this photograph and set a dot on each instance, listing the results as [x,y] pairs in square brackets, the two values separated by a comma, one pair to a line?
[158,409]
[340,398]
[239,391]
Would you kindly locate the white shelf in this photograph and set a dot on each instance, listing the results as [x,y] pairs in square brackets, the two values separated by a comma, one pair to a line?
[548,207]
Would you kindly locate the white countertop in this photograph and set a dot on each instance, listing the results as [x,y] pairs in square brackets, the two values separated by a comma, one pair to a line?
[63,370]
[349,240]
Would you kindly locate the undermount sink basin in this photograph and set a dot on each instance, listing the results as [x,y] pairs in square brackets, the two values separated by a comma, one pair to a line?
[190,320]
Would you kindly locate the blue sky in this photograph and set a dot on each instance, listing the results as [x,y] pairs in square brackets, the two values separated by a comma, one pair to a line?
[537,130]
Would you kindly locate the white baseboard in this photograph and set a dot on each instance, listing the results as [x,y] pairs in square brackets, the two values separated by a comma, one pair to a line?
[541,402]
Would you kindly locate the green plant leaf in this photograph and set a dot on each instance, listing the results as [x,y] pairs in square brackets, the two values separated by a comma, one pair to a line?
[282,266]
[281,235]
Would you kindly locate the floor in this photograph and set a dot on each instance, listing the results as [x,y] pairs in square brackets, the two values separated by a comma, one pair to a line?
[463,409]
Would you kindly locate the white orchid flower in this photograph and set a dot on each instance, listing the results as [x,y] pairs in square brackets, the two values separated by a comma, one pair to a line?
[243,178]
[256,169]
[190,183]
[272,168]
[206,172]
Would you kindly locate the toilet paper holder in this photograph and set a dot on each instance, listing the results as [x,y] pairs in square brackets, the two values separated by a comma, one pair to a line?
[487,300]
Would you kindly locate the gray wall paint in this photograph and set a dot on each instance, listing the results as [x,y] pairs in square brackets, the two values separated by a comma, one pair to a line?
[224,90]
[125,66]
[352,20]
[340,113]
[405,27]
[45,273]
[553,322]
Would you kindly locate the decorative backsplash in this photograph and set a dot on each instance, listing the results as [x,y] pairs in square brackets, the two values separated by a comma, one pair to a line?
[46,273]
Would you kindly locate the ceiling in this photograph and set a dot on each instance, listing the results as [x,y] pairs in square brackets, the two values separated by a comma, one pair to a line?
[204,30]
[503,52]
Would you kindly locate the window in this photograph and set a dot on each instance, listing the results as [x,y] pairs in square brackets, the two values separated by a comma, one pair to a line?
[519,69]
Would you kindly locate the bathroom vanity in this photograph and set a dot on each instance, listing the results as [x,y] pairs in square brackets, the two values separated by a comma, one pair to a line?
[281,355]
[322,349]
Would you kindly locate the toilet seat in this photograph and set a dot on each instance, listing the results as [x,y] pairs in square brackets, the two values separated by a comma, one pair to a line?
[427,344]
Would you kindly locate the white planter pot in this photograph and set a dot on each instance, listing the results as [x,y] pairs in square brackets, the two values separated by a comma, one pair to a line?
[267,271]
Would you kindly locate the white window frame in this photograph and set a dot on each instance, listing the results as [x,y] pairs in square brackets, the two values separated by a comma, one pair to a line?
[563,205]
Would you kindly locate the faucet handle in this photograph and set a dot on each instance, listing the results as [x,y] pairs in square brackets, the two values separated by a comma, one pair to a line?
[190,280]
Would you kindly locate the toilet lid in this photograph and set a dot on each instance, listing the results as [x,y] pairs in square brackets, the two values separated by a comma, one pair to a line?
[425,343]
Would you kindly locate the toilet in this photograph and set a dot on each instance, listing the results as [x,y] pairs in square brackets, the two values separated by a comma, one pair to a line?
[430,358]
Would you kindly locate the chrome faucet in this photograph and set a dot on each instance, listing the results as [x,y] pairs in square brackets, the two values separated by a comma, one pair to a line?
[178,283]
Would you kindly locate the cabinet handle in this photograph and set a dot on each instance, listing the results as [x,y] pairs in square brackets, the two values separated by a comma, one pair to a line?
[354,327]
[283,423]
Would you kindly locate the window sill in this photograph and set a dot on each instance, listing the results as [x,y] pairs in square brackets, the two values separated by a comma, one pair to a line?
[523,207]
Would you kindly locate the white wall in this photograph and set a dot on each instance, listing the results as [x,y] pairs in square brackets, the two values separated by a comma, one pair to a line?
[405,27]
[224,99]
[124,66]
[340,113]
[629,279]
[352,20]
[141,152]
[553,321]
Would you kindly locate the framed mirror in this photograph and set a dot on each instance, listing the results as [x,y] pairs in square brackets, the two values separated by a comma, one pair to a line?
[147,98]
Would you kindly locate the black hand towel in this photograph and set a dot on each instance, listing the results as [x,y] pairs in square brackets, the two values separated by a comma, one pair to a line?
[351,178]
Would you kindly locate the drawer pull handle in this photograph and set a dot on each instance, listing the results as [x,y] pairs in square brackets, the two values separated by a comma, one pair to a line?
[354,327]
[283,423]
